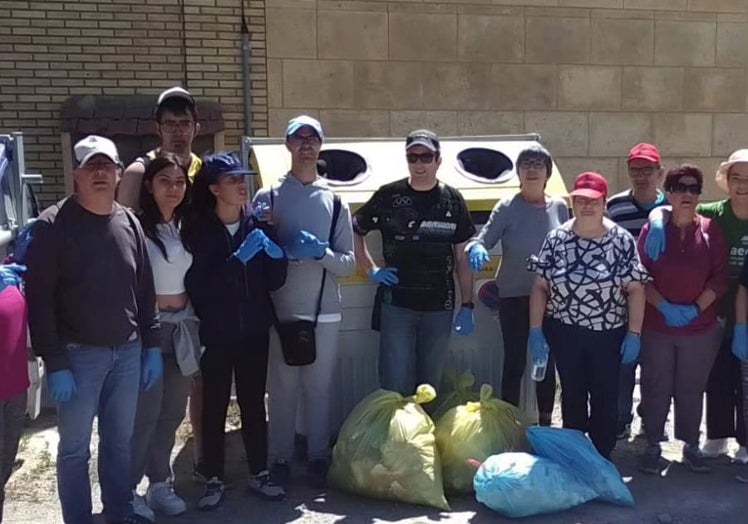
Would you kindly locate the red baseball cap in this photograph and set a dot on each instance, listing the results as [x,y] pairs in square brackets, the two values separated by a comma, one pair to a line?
[590,185]
[644,151]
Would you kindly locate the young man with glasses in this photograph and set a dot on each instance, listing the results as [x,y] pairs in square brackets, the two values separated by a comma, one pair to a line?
[177,127]
[314,229]
[425,225]
[630,210]
[93,319]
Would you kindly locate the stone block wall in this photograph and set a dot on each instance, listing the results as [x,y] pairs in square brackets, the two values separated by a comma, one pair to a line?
[592,76]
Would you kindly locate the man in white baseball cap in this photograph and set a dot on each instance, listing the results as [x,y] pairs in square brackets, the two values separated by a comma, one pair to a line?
[93,319]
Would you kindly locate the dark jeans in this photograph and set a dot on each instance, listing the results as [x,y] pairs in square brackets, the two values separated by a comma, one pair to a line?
[626,385]
[724,396]
[12,416]
[588,364]
[248,362]
[514,314]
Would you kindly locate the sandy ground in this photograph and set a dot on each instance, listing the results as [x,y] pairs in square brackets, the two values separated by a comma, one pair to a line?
[680,497]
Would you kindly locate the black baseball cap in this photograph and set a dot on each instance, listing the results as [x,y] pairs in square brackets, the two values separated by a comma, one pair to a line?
[422,137]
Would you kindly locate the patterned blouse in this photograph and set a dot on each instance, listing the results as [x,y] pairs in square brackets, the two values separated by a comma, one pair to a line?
[586,276]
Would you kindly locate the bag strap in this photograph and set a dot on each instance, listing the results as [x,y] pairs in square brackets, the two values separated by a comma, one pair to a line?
[336,205]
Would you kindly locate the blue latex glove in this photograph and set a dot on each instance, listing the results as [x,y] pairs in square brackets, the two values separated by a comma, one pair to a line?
[537,344]
[465,321]
[10,275]
[259,210]
[273,250]
[654,245]
[677,315]
[689,313]
[61,385]
[740,342]
[384,276]
[254,242]
[478,256]
[22,242]
[152,368]
[630,348]
[307,245]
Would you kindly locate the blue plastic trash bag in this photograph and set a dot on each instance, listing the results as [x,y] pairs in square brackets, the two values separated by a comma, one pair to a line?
[520,485]
[572,450]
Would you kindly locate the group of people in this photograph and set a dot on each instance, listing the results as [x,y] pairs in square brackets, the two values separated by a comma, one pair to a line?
[155,287]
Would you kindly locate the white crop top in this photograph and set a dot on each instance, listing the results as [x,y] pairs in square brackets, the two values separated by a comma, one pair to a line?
[168,275]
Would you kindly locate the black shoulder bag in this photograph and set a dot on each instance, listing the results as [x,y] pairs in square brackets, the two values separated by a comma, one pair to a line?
[297,338]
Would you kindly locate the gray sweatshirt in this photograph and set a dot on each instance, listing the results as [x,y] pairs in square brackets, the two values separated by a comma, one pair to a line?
[309,207]
[521,227]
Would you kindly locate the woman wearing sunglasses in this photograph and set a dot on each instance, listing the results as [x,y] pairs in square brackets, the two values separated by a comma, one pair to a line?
[521,223]
[681,336]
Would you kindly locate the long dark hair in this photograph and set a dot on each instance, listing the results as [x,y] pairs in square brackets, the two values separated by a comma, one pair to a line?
[150,215]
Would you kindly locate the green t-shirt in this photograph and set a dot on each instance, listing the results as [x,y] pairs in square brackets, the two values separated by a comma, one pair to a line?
[736,233]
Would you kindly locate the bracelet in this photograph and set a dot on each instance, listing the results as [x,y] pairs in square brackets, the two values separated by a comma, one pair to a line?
[635,333]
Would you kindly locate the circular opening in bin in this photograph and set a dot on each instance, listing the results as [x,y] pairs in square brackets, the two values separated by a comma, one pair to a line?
[484,165]
[341,167]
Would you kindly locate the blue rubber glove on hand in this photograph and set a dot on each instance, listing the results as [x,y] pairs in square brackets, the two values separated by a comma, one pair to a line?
[273,250]
[10,275]
[254,242]
[630,348]
[478,256]
[61,385]
[464,322]
[152,368]
[259,209]
[22,242]
[384,276]
[677,315]
[654,245]
[740,342]
[537,344]
[307,245]
[689,313]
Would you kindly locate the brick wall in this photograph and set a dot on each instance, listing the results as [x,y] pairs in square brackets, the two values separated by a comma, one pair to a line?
[50,50]
[592,76]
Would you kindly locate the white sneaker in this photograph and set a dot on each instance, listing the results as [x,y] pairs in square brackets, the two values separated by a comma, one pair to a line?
[713,448]
[741,457]
[139,507]
[161,497]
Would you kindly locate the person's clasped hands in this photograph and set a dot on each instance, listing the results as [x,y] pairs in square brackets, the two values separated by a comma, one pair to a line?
[678,315]
[255,242]
[307,245]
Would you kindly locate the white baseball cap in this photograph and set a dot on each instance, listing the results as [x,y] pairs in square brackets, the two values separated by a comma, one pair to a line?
[741,155]
[94,145]
[175,92]
[304,121]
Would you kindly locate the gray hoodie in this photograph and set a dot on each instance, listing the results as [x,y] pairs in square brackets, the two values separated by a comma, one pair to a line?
[309,207]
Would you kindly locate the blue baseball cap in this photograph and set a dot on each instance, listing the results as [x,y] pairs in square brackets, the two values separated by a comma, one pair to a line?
[224,163]
[300,121]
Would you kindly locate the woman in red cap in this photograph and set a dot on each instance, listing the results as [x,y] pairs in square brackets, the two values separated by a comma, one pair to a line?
[588,300]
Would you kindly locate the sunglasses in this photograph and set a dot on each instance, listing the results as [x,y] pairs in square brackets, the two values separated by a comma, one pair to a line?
[678,187]
[425,158]
[299,140]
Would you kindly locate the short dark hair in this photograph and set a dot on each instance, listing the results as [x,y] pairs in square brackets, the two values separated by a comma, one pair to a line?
[176,105]
[533,152]
[674,175]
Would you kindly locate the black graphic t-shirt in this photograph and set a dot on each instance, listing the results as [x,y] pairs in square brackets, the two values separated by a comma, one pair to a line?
[419,229]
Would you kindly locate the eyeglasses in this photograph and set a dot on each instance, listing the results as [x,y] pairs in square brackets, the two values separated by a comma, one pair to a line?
[425,158]
[678,187]
[532,164]
[171,126]
[642,171]
[299,140]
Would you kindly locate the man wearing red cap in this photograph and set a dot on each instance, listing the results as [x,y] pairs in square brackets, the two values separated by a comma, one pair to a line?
[630,209]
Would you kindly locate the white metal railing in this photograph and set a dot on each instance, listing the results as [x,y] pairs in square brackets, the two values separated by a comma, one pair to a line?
[15,210]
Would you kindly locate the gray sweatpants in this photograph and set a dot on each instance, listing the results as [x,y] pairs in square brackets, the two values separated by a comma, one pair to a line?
[161,410]
[312,385]
[12,414]
[676,367]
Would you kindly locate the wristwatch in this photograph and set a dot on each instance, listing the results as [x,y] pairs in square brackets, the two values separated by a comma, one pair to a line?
[468,305]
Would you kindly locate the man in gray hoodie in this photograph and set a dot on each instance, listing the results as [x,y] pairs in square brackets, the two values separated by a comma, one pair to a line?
[319,247]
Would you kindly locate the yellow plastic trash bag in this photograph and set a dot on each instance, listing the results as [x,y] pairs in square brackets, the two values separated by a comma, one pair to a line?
[386,449]
[462,392]
[477,430]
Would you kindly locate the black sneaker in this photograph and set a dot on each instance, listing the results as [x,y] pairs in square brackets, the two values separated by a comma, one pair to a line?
[280,473]
[212,496]
[136,519]
[317,473]
[261,485]
[694,459]
[651,461]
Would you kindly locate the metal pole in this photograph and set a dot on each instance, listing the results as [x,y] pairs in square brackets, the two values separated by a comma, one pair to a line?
[246,153]
[246,88]
[16,184]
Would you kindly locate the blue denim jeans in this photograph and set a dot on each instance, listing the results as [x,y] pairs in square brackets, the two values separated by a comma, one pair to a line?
[107,384]
[412,348]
